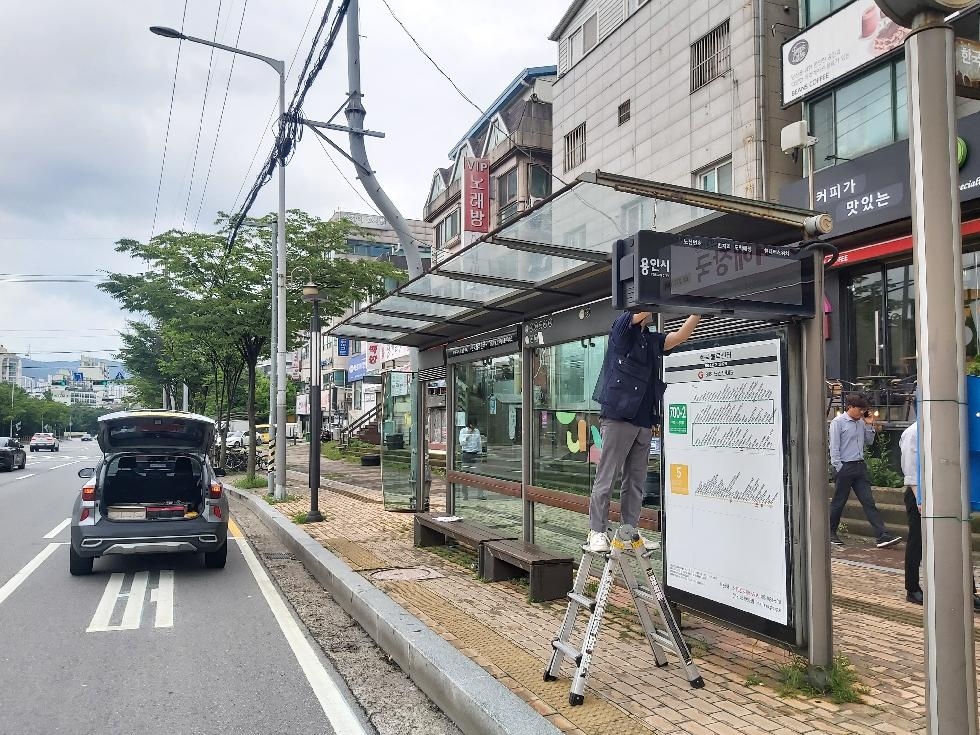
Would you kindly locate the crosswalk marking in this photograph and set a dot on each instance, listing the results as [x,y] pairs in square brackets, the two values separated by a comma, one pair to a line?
[162,597]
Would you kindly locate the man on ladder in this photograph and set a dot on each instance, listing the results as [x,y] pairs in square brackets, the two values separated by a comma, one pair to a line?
[630,391]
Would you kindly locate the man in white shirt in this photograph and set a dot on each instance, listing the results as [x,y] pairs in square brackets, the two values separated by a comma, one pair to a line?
[909,444]
[470,446]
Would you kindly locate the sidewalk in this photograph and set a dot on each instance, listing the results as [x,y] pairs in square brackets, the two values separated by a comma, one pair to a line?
[496,627]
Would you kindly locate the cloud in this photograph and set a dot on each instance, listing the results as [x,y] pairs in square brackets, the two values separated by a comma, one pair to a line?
[85,114]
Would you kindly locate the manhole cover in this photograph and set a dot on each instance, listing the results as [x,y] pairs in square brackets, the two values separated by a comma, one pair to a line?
[412,574]
[278,555]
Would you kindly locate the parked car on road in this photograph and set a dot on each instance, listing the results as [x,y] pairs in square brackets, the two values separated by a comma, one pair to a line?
[236,439]
[86,437]
[12,454]
[153,491]
[44,440]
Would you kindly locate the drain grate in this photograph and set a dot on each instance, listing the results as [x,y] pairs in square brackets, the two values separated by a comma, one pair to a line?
[279,556]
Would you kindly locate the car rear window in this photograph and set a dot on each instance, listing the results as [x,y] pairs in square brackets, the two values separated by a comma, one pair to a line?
[160,432]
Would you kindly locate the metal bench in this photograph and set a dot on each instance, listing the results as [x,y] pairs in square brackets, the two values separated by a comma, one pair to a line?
[550,575]
[430,532]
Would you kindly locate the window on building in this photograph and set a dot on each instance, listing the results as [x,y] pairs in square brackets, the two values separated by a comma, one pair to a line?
[590,33]
[710,56]
[448,229]
[816,10]
[861,116]
[575,47]
[506,195]
[575,148]
[623,114]
[716,178]
[540,182]
[633,216]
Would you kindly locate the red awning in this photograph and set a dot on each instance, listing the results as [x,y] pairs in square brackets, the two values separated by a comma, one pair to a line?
[891,247]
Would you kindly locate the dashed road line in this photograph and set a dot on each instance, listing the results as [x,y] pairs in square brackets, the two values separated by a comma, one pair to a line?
[18,579]
[24,477]
[57,529]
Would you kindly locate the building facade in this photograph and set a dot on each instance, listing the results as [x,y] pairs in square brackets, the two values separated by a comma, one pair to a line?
[515,136]
[856,107]
[11,367]
[683,92]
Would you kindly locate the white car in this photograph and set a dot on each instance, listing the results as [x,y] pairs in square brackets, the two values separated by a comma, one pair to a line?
[238,439]
[44,440]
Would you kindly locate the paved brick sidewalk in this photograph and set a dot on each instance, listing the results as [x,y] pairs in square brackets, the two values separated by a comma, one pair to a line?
[498,628]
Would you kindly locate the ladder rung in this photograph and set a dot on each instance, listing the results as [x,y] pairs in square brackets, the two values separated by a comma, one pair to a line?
[644,594]
[586,602]
[570,652]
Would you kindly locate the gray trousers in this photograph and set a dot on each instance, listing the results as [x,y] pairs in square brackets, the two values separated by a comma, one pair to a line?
[626,451]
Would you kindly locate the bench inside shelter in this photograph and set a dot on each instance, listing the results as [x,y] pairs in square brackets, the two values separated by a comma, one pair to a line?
[430,532]
[549,575]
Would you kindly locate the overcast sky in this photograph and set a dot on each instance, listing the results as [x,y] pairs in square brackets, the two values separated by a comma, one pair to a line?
[87,91]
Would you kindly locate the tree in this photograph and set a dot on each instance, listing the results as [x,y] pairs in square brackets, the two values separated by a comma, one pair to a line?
[200,297]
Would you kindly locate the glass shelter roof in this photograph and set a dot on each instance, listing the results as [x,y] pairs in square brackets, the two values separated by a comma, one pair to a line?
[557,255]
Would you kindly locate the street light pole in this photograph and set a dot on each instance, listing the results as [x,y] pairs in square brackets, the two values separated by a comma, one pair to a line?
[273,355]
[279,262]
[312,293]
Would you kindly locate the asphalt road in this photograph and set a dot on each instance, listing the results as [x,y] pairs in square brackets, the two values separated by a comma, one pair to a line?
[148,644]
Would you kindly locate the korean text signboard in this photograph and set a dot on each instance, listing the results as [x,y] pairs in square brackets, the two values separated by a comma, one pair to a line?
[683,273]
[476,195]
[343,346]
[724,488]
[874,189]
[841,43]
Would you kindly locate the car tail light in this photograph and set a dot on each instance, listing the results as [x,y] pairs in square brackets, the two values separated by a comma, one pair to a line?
[88,490]
[216,509]
[215,491]
[84,514]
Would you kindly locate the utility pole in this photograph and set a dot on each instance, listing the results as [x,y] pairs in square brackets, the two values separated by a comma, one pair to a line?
[937,262]
[355,120]
[273,361]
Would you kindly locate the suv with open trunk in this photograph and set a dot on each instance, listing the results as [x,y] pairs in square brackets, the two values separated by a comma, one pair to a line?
[154,491]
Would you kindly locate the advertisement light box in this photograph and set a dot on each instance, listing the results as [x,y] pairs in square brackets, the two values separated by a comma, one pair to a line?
[667,273]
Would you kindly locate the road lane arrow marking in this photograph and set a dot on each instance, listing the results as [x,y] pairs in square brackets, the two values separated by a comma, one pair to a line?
[162,596]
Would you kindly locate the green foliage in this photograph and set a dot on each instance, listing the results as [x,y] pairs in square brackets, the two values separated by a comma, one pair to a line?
[250,483]
[876,456]
[32,413]
[973,367]
[273,500]
[752,681]
[839,681]
[299,518]
[330,450]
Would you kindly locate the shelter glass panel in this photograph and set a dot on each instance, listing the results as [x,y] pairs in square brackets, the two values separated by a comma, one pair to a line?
[488,395]
[380,320]
[492,510]
[411,307]
[446,288]
[399,455]
[491,259]
[366,333]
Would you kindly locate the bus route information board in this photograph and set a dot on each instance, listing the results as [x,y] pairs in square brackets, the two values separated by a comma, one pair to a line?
[724,488]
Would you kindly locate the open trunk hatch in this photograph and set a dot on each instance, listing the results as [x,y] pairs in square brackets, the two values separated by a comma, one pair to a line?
[143,430]
[147,487]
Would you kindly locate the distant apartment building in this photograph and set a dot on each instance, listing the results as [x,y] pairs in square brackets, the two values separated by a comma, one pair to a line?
[91,383]
[515,136]
[11,366]
[683,92]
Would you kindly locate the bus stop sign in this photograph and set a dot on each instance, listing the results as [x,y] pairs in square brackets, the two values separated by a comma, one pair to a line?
[690,274]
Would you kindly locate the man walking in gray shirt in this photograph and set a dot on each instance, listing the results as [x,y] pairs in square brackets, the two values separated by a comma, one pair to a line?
[850,433]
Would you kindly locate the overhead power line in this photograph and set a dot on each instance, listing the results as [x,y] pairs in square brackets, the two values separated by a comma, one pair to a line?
[221,116]
[200,122]
[344,177]
[166,136]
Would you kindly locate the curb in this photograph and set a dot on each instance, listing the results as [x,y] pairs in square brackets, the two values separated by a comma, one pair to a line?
[476,702]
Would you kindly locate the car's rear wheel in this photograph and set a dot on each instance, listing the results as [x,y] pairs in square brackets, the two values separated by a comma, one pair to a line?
[23,462]
[216,559]
[79,566]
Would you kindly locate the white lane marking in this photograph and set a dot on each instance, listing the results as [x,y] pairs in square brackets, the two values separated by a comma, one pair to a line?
[57,466]
[24,477]
[163,596]
[134,604]
[18,579]
[335,707]
[57,529]
[100,621]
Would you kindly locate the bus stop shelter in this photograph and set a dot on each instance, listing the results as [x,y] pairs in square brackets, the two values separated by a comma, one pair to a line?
[510,333]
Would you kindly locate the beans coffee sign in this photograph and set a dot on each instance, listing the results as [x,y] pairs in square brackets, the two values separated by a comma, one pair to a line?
[841,43]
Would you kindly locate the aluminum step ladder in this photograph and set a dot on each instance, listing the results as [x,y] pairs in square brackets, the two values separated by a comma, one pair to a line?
[631,559]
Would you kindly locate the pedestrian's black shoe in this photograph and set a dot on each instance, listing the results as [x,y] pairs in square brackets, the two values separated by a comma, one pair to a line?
[914,597]
[835,540]
[887,540]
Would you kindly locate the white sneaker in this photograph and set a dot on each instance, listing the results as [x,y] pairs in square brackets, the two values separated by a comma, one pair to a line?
[597,543]
[649,544]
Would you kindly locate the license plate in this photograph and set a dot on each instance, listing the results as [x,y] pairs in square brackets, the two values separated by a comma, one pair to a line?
[127,514]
